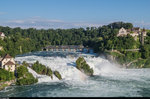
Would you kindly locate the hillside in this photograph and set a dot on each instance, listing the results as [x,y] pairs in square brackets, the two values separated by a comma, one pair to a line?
[102,40]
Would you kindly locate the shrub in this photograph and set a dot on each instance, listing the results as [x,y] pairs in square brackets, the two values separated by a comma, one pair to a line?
[49,72]
[147,63]
[6,75]
[41,69]
[24,77]
[21,71]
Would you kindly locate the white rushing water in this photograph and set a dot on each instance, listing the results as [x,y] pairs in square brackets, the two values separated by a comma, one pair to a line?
[66,67]
[109,80]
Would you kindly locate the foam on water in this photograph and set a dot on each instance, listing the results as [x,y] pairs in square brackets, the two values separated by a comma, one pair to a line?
[109,80]
[66,67]
[43,78]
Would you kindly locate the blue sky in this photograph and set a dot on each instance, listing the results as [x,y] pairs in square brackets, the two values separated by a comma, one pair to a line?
[73,13]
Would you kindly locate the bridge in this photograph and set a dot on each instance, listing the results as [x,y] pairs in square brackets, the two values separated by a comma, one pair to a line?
[67,48]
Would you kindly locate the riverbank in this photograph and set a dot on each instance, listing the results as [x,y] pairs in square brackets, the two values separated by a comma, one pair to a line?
[6,84]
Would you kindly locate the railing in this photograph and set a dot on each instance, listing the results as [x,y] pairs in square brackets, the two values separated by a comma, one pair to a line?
[132,49]
[115,50]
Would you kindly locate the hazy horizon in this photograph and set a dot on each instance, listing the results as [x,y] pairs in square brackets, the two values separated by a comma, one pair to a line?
[67,14]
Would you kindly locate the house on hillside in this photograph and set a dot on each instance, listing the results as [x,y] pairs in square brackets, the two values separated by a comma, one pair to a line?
[8,63]
[2,35]
[122,32]
[136,31]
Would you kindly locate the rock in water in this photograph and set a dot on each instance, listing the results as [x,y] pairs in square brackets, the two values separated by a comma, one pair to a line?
[83,66]
[58,75]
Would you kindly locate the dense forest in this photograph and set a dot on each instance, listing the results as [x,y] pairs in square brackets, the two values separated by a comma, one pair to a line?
[31,39]
[101,39]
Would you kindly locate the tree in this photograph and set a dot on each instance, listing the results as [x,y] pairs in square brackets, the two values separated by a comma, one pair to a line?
[145,51]
[24,77]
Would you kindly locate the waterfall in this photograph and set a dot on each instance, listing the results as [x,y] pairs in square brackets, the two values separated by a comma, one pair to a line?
[67,67]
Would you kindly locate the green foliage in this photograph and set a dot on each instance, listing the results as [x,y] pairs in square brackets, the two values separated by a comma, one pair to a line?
[119,25]
[25,63]
[29,79]
[2,53]
[6,75]
[138,64]
[20,41]
[21,71]
[27,40]
[49,72]
[83,66]
[58,75]
[24,77]
[41,69]
[147,63]
[79,62]
[145,51]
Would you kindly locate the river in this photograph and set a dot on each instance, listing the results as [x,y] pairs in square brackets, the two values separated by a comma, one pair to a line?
[109,80]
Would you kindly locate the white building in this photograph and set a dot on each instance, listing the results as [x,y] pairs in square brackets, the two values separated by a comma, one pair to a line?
[7,63]
[136,31]
[2,35]
[122,32]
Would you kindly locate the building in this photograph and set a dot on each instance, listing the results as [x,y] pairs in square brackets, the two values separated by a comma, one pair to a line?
[7,63]
[122,32]
[2,35]
[136,31]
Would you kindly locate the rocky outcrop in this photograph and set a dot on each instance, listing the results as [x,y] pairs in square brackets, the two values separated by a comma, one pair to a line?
[83,66]
[58,75]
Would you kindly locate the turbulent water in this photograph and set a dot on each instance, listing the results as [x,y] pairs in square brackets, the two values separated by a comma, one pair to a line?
[108,80]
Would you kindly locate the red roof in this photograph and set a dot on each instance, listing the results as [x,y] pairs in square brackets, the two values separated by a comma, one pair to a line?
[9,63]
[6,56]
